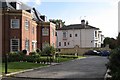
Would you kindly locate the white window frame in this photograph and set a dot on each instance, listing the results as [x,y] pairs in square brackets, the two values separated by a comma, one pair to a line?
[27,46]
[18,22]
[45,32]
[26,24]
[11,49]
[33,30]
[65,34]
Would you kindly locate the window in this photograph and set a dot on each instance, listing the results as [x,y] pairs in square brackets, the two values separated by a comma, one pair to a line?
[75,35]
[95,44]
[53,32]
[64,35]
[70,35]
[68,43]
[45,31]
[33,30]
[14,45]
[27,44]
[15,23]
[95,33]
[26,24]
[59,43]
[33,46]
[64,43]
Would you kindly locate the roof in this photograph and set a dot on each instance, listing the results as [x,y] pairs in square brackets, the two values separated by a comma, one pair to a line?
[11,5]
[77,26]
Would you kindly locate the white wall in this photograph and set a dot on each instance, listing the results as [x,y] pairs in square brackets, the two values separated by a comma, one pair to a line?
[85,38]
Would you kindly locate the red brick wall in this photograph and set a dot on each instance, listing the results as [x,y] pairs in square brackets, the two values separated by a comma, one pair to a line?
[49,39]
[27,34]
[20,33]
[52,37]
[9,33]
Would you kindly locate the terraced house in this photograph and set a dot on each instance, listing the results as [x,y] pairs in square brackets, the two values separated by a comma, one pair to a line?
[22,27]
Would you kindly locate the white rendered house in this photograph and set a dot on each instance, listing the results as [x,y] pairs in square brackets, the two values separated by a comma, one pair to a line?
[80,35]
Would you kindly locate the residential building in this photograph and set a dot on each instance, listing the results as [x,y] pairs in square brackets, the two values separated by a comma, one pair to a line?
[79,35]
[20,25]
[47,34]
[18,30]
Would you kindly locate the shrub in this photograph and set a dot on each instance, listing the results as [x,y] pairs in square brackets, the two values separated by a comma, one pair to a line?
[69,56]
[24,52]
[14,56]
[114,64]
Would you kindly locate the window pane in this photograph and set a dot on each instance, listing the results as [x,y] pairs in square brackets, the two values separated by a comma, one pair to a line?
[45,32]
[26,24]
[27,45]
[75,35]
[59,43]
[64,43]
[14,45]
[14,23]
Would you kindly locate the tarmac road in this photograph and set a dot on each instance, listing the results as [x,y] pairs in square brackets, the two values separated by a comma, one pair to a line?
[92,67]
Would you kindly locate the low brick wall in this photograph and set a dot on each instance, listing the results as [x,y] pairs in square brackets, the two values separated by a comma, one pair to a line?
[80,51]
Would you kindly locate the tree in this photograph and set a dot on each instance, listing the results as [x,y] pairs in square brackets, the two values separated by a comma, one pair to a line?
[118,40]
[59,23]
[50,51]
[111,42]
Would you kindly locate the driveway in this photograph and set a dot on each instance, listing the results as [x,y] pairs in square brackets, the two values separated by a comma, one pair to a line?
[92,67]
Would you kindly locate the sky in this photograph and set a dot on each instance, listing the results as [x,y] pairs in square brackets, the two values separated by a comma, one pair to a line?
[102,14]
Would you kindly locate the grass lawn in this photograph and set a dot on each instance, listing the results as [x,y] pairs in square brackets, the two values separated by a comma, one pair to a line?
[18,66]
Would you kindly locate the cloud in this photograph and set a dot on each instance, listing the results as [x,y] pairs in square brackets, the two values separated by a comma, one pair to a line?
[38,2]
[35,2]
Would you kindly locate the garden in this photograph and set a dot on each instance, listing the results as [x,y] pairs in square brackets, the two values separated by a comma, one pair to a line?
[18,61]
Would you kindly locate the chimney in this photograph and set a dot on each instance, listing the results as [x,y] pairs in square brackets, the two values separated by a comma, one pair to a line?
[82,22]
[43,17]
[87,23]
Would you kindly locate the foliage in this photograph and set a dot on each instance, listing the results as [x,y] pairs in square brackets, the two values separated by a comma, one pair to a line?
[114,64]
[49,50]
[59,23]
[24,52]
[118,40]
[14,56]
[111,42]
[69,56]
[38,51]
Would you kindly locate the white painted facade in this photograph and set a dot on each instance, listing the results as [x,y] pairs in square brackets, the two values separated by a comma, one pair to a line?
[84,38]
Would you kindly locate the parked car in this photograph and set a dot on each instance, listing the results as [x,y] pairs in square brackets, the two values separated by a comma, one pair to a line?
[105,53]
[91,52]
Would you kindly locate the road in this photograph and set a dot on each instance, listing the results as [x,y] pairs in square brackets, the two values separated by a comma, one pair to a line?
[92,67]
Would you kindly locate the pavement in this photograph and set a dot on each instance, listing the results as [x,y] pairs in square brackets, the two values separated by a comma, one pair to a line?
[90,68]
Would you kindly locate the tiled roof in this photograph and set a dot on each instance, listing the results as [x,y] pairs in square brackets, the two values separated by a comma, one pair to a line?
[11,5]
[77,26]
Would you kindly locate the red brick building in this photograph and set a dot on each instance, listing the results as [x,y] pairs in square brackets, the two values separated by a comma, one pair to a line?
[47,34]
[24,28]
[19,31]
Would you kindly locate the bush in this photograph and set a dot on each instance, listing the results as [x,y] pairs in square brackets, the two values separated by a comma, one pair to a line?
[69,56]
[14,56]
[114,64]
[24,52]
[38,51]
